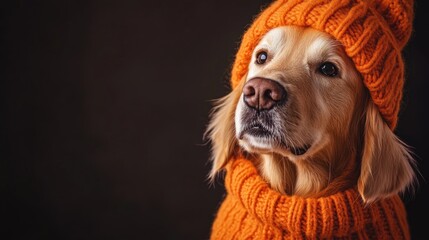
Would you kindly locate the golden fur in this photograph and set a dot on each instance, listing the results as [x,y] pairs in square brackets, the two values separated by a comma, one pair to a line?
[345,140]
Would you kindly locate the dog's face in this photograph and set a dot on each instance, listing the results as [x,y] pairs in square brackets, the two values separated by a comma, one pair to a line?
[301,90]
[303,115]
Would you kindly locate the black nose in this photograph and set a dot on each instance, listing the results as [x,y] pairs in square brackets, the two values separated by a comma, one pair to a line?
[263,94]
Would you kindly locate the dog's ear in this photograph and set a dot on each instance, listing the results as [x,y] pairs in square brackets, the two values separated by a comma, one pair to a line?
[221,129]
[386,166]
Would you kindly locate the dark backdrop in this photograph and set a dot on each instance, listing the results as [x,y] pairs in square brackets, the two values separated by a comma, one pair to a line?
[104,105]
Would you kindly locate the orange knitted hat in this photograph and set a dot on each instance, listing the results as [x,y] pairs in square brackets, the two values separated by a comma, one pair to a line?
[373,33]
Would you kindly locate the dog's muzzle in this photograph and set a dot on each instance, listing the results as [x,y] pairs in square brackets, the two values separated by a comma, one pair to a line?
[262,97]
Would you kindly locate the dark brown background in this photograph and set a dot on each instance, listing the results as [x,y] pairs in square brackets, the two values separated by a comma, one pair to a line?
[104,104]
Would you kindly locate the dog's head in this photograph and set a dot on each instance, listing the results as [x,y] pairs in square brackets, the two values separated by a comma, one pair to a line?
[304,116]
[300,90]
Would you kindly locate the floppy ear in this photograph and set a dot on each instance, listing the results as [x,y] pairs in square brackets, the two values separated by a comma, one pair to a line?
[386,162]
[221,129]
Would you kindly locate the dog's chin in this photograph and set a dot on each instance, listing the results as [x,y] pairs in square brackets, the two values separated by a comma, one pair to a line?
[261,141]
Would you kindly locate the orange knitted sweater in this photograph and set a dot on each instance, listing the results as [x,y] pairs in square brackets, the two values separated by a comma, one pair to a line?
[251,210]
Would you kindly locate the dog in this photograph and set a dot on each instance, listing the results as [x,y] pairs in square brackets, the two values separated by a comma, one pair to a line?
[306,136]
[304,117]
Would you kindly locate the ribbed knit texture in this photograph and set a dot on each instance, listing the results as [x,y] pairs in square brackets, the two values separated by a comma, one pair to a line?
[252,210]
[373,33]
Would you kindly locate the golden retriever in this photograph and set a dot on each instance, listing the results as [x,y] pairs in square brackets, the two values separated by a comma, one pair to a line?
[304,117]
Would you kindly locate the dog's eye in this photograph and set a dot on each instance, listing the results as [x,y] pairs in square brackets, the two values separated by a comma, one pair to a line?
[261,57]
[329,69]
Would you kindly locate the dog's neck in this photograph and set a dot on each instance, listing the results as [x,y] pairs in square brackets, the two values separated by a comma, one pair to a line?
[280,173]
[315,177]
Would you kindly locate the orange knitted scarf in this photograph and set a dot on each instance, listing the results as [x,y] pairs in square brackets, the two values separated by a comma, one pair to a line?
[251,210]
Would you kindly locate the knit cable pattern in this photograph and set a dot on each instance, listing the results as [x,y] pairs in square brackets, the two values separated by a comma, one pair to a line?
[252,210]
